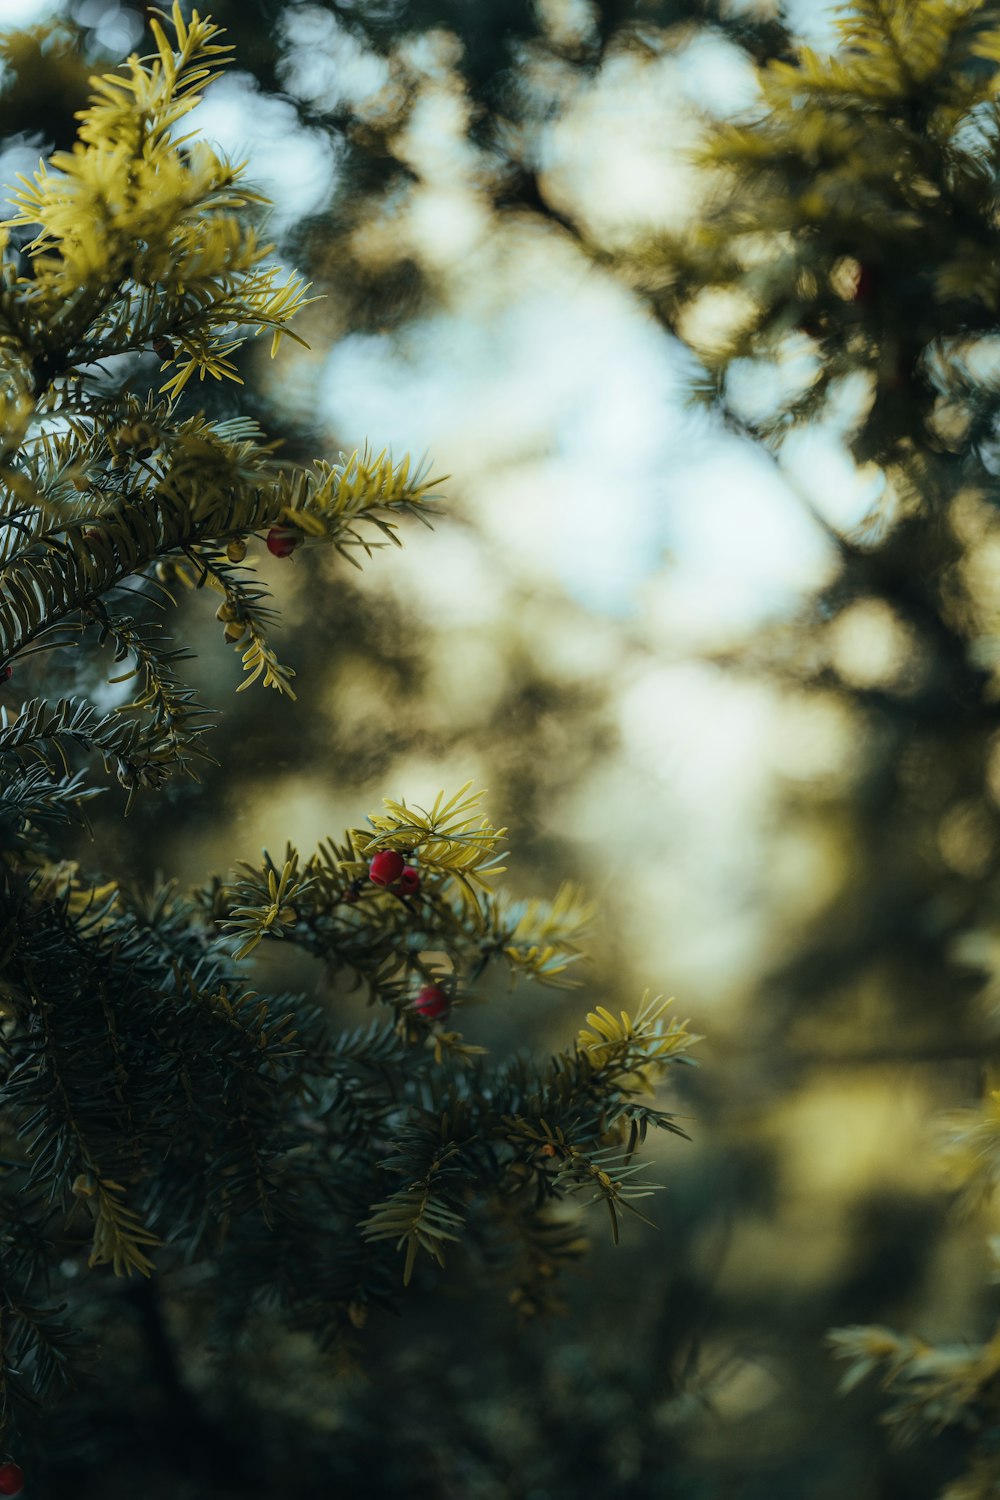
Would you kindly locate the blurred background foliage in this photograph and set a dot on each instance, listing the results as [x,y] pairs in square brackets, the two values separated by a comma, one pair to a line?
[771,755]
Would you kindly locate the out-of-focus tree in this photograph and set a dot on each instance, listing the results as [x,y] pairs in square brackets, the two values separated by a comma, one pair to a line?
[844,280]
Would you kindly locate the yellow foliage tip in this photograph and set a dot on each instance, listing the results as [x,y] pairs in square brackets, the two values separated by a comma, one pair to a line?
[456,820]
[608,1035]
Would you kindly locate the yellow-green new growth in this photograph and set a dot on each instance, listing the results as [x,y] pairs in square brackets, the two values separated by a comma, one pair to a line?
[120,1237]
[261,921]
[134,204]
[327,500]
[142,243]
[640,1046]
[542,942]
[453,838]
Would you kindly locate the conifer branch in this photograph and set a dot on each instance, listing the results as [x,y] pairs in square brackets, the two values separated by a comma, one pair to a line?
[157,1109]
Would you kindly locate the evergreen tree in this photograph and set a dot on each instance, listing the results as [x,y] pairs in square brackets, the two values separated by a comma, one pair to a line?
[259,1175]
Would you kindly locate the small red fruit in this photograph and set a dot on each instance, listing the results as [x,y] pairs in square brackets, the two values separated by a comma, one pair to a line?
[386,866]
[6,673]
[431,1003]
[11,1479]
[408,883]
[281,542]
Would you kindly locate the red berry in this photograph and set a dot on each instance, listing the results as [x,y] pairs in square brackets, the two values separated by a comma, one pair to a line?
[281,542]
[11,1479]
[431,1003]
[386,866]
[408,883]
[6,673]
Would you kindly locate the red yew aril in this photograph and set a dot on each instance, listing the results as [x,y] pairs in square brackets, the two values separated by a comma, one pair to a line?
[431,1003]
[281,542]
[386,866]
